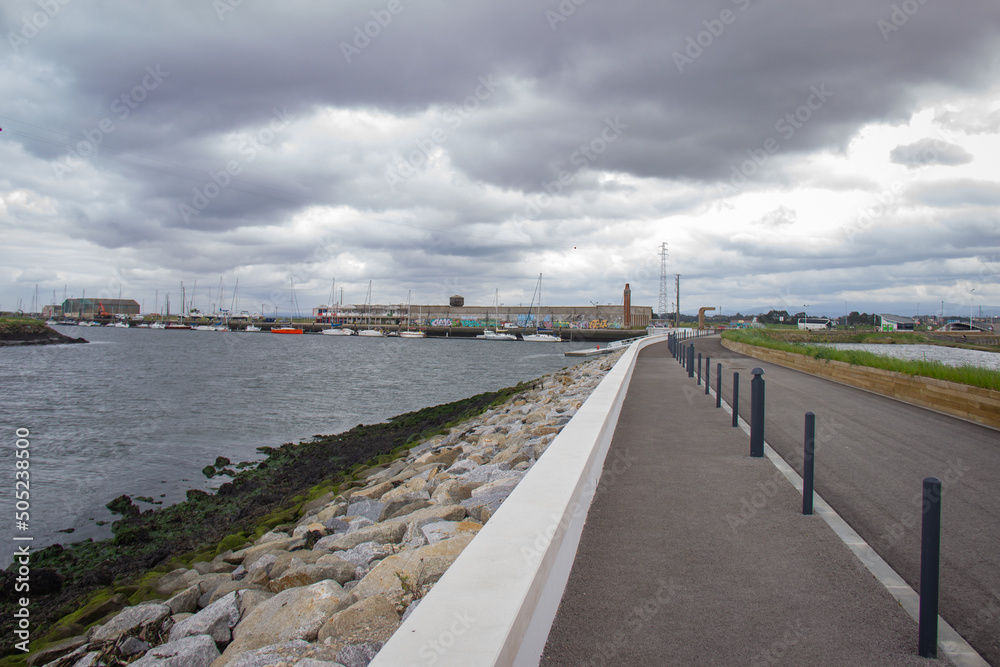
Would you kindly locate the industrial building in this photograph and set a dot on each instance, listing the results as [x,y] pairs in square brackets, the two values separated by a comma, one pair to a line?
[88,309]
[887,322]
[565,317]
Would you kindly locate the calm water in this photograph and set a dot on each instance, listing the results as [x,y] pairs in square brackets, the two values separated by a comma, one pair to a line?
[141,411]
[947,355]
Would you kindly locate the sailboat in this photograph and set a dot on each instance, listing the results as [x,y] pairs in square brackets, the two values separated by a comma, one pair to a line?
[368,331]
[339,330]
[250,327]
[410,332]
[290,328]
[493,334]
[539,337]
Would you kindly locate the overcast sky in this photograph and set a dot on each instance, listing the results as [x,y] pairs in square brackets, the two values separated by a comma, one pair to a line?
[843,155]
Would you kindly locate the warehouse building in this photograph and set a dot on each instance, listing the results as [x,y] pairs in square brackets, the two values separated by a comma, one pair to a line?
[887,322]
[88,309]
[557,317]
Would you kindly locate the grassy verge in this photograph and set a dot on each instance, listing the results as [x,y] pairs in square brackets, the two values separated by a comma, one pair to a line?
[70,584]
[970,375]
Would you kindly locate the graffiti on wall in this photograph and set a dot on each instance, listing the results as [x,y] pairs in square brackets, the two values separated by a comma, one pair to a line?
[522,321]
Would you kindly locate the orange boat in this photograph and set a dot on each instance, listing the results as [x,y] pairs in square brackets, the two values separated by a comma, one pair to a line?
[286,330]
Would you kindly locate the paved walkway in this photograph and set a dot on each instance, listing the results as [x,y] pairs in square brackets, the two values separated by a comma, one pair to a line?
[695,554]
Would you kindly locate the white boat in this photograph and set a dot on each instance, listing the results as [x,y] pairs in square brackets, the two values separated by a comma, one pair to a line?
[203,327]
[369,332]
[336,329]
[251,328]
[410,332]
[493,334]
[119,325]
[539,337]
[157,325]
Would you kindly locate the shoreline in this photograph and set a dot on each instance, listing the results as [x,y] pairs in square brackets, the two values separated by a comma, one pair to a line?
[341,481]
[19,332]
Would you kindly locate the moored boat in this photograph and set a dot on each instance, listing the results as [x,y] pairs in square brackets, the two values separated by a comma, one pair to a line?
[539,336]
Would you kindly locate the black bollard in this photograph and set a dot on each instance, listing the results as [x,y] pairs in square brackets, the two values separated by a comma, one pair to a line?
[807,464]
[690,361]
[718,385]
[708,373]
[699,369]
[736,399]
[930,565]
[757,413]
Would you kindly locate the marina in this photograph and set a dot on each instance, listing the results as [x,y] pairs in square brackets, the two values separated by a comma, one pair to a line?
[141,412]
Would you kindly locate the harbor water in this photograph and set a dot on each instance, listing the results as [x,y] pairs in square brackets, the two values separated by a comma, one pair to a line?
[141,412]
[951,356]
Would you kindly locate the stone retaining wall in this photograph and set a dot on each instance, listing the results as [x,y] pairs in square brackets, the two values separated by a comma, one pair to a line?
[975,404]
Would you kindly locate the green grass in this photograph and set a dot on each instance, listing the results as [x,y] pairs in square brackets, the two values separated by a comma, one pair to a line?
[970,375]
[17,321]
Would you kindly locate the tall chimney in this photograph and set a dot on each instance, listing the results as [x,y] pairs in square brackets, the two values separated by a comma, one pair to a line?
[628,307]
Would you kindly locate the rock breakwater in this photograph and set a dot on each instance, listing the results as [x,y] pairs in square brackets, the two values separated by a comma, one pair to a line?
[18,332]
[332,587]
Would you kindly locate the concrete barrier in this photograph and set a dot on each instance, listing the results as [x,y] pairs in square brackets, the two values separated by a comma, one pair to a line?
[975,404]
[497,601]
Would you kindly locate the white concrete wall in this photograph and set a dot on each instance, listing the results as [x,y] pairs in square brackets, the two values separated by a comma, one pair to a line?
[496,603]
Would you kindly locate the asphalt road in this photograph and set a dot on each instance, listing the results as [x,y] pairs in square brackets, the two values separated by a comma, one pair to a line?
[872,454]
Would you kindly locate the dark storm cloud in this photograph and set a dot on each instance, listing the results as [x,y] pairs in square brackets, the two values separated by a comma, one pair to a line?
[604,60]
[151,126]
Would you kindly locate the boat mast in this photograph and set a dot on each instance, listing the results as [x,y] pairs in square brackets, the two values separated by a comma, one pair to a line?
[538,313]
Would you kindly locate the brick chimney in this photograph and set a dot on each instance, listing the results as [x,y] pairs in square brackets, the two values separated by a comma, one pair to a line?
[628,307]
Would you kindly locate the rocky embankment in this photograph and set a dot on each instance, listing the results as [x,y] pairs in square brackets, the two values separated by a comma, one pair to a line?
[332,587]
[32,333]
